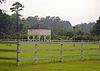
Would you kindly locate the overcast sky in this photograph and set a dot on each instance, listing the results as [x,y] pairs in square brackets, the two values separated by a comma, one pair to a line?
[75,11]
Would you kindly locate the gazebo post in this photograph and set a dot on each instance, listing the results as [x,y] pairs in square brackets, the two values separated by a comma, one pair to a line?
[50,38]
[28,37]
[44,37]
[33,37]
[39,37]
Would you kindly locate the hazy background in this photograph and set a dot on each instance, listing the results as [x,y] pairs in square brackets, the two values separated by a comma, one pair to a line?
[75,11]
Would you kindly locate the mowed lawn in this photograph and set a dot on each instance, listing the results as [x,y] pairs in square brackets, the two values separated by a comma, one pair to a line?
[68,64]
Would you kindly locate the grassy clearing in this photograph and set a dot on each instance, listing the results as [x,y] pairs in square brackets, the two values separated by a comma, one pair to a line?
[66,65]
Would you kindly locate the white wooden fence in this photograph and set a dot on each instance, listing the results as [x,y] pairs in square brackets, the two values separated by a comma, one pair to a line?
[60,56]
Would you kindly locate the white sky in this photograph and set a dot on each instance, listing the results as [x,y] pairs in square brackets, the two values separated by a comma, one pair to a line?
[75,11]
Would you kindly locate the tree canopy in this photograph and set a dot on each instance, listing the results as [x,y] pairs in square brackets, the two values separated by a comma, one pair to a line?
[1,1]
[16,7]
[5,24]
[96,28]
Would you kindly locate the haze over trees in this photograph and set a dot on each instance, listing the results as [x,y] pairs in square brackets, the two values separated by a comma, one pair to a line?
[85,27]
[61,29]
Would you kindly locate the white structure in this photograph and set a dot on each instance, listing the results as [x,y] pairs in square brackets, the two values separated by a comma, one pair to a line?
[39,33]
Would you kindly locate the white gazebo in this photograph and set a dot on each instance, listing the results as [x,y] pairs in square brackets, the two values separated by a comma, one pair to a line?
[39,32]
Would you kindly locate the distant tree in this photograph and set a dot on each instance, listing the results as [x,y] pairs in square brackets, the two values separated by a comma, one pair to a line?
[96,28]
[79,32]
[85,27]
[17,7]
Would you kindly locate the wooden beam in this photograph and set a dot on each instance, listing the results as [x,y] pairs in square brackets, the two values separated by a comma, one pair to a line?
[6,50]
[7,58]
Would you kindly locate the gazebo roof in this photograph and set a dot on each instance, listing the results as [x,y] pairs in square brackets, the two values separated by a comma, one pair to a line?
[39,26]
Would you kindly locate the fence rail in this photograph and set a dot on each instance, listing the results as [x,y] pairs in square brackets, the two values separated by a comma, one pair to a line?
[60,50]
[7,50]
[7,42]
[30,42]
[7,58]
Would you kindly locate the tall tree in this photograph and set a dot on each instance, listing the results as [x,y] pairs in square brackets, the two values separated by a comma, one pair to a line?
[17,7]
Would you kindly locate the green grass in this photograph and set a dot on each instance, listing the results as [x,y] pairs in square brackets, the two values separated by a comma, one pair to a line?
[68,64]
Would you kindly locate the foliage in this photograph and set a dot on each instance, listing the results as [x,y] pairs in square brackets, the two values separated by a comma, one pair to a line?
[13,25]
[17,7]
[5,25]
[2,1]
[84,27]
[87,37]
[96,28]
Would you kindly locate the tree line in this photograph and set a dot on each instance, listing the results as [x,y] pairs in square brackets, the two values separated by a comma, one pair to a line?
[61,29]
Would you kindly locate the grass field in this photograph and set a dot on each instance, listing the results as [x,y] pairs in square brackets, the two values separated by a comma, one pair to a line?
[68,64]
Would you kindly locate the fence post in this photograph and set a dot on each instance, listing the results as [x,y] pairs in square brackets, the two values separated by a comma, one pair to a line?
[99,49]
[61,52]
[35,51]
[18,53]
[81,53]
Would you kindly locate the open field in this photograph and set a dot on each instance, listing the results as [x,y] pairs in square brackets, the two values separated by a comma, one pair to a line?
[68,64]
